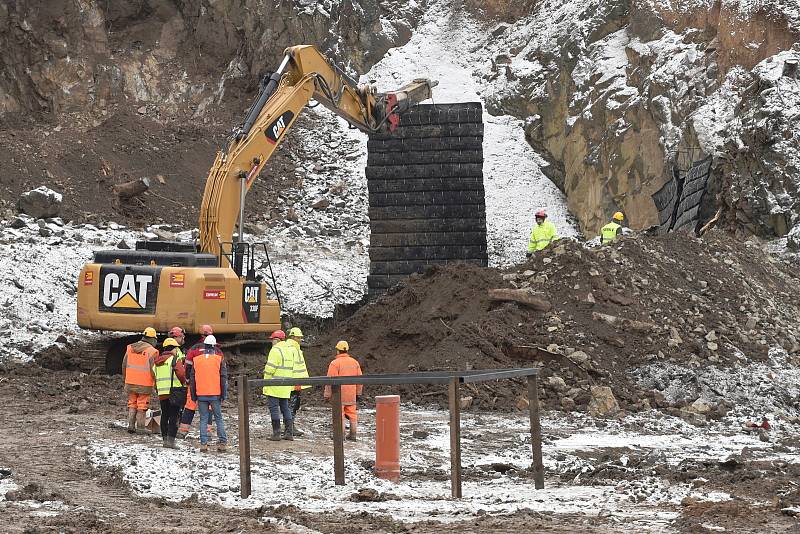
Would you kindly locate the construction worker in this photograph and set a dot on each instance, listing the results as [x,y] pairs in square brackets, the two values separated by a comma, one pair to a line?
[170,374]
[300,371]
[346,365]
[187,416]
[280,364]
[137,369]
[612,230]
[177,333]
[542,234]
[209,388]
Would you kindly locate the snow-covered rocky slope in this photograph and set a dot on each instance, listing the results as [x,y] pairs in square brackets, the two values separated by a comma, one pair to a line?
[617,93]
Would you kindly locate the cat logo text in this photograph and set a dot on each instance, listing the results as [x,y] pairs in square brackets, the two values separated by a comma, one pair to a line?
[128,290]
[277,127]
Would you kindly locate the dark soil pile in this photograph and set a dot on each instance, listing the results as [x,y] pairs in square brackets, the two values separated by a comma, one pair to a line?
[672,298]
[84,161]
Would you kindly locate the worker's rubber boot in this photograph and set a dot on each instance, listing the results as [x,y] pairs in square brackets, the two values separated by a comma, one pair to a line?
[276,431]
[296,432]
[141,417]
[287,433]
[351,436]
[171,443]
[132,420]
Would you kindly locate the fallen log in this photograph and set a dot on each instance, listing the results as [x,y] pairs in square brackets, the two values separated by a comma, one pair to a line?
[520,296]
[622,322]
[127,190]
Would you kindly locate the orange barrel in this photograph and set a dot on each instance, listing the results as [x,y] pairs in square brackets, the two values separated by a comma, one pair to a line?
[387,437]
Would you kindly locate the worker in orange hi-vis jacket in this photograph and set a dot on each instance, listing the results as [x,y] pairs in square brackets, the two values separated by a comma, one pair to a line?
[346,365]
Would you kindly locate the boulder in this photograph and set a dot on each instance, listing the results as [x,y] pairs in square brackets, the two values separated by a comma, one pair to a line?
[579,357]
[320,203]
[164,235]
[557,383]
[603,403]
[18,222]
[700,407]
[40,203]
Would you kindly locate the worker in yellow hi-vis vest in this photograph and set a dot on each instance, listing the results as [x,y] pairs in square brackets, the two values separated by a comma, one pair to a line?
[612,230]
[542,234]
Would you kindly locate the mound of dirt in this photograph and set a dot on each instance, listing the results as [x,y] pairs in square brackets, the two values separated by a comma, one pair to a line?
[692,302]
[84,161]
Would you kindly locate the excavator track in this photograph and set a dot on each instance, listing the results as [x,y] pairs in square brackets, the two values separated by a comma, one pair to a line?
[105,355]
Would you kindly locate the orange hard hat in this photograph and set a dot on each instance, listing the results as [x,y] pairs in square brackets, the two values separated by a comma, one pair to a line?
[206,330]
[278,334]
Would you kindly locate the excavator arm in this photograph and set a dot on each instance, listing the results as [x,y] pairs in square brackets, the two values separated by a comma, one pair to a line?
[304,74]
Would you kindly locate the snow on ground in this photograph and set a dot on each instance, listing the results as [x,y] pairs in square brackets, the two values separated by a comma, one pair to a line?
[27,506]
[756,389]
[442,48]
[38,279]
[495,454]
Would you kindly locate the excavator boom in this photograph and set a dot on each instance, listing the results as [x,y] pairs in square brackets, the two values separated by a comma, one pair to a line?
[303,75]
[167,284]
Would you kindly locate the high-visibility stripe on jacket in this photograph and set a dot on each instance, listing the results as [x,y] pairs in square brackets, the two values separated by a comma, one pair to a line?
[300,369]
[207,380]
[280,364]
[541,236]
[138,366]
[608,233]
[345,365]
[165,378]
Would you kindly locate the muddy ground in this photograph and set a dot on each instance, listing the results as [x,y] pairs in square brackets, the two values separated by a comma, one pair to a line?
[55,419]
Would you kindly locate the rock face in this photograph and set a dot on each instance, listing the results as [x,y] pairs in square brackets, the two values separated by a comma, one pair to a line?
[616,93]
[40,203]
[63,56]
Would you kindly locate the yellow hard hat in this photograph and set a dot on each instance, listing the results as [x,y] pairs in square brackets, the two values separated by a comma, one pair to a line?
[295,332]
[619,216]
[170,342]
[149,332]
[343,345]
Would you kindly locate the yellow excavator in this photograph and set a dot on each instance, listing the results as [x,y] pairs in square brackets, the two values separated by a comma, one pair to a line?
[215,281]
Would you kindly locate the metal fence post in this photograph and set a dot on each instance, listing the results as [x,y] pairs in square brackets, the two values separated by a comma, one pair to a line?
[454,398]
[536,431]
[244,435]
[338,435]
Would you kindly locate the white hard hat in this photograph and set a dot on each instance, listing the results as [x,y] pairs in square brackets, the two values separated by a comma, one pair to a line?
[210,340]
